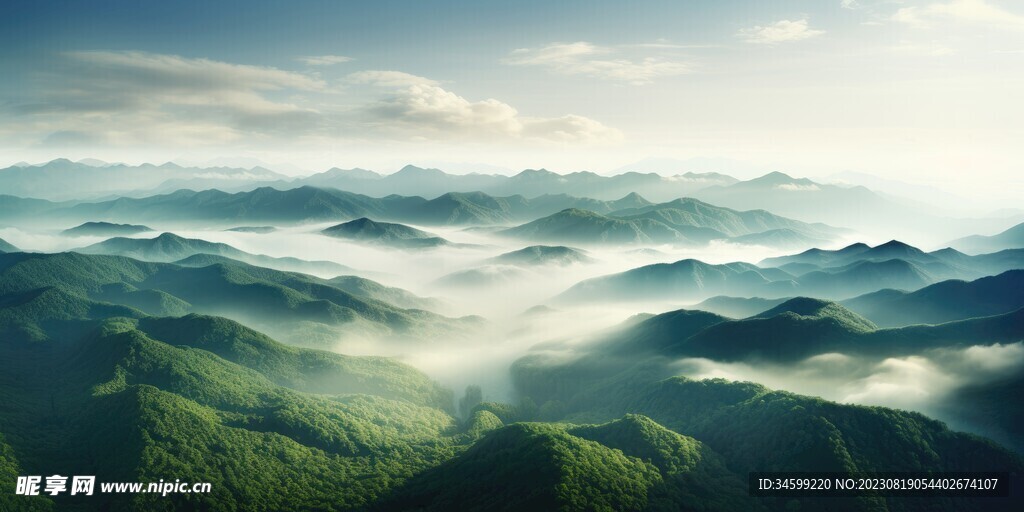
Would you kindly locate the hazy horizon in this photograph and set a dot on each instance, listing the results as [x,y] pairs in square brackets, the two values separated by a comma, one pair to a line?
[810,90]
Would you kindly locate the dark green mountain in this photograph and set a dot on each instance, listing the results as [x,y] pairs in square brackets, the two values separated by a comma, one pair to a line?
[691,217]
[105,229]
[694,280]
[471,208]
[738,307]
[864,277]
[683,280]
[209,400]
[629,464]
[943,302]
[1012,238]
[311,204]
[796,329]
[7,247]
[799,327]
[297,308]
[756,429]
[265,204]
[169,247]
[681,221]
[95,388]
[385,233]
[820,257]
[543,255]
[586,227]
[942,264]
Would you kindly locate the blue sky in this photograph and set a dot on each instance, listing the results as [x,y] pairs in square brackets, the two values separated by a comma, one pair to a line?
[917,90]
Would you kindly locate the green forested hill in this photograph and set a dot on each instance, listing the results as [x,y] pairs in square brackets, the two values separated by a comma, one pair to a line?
[297,308]
[629,464]
[169,247]
[96,388]
[945,301]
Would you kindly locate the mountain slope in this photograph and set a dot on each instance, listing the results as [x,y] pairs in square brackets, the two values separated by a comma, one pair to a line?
[292,307]
[683,280]
[169,247]
[629,464]
[7,247]
[586,227]
[105,229]
[543,255]
[688,213]
[212,407]
[385,233]
[1012,238]
[943,302]
[738,307]
[64,179]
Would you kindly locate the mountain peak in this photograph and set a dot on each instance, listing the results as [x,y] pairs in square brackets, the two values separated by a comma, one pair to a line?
[818,308]
[414,171]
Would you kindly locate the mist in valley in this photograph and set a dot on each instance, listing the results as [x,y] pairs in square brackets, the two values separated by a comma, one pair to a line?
[521,317]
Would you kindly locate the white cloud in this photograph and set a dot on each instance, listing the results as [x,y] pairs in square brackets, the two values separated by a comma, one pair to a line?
[427,111]
[781,31]
[137,99]
[324,60]
[962,11]
[583,58]
[388,78]
[849,4]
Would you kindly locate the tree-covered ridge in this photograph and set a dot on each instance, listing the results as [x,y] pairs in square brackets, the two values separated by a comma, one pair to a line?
[281,428]
[295,307]
[168,247]
[385,233]
[543,255]
[629,464]
[205,399]
[945,301]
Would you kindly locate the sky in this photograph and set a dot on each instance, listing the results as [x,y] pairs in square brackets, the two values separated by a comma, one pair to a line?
[921,91]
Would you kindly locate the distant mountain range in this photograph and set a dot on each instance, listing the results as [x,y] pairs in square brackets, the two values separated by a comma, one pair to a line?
[1012,238]
[942,302]
[169,247]
[308,204]
[851,206]
[798,328]
[262,230]
[941,264]
[105,229]
[63,179]
[7,247]
[384,233]
[412,180]
[682,221]
[840,274]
